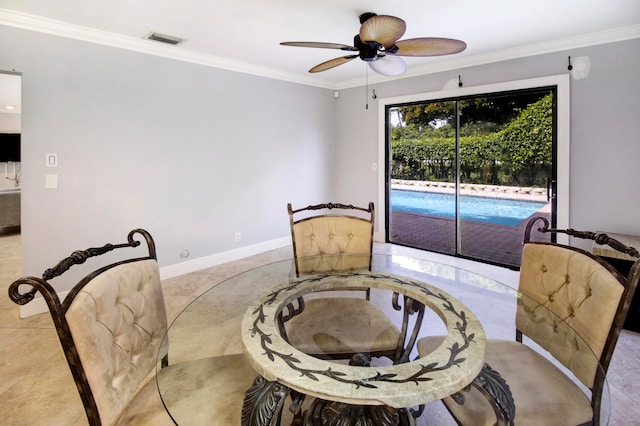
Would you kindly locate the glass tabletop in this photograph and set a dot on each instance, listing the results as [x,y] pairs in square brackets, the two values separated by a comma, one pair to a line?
[204,343]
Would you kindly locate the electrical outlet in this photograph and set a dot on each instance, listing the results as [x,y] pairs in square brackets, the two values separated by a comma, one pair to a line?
[237,237]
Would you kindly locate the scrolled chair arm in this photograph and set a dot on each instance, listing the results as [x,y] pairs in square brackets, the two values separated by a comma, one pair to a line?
[599,237]
[23,298]
[543,229]
[36,284]
[602,239]
[151,245]
[77,257]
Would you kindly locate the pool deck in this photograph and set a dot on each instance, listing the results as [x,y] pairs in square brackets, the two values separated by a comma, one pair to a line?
[489,191]
[493,243]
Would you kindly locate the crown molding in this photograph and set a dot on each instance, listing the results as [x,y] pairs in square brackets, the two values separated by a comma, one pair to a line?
[534,49]
[62,29]
[142,45]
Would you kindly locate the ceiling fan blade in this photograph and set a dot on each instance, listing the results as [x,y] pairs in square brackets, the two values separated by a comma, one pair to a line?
[384,29]
[389,65]
[319,45]
[332,63]
[429,46]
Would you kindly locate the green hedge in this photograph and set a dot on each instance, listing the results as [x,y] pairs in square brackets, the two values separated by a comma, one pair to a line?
[518,154]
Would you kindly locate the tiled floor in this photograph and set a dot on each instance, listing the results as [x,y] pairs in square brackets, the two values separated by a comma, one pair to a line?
[36,387]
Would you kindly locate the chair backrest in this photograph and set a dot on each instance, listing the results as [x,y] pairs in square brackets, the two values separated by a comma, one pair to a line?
[332,241]
[111,325]
[582,291]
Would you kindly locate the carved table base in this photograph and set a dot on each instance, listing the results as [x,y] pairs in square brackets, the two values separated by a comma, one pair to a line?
[264,401]
[331,413]
[491,384]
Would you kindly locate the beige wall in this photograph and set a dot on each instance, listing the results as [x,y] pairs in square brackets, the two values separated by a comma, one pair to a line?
[196,154]
[604,130]
[191,153]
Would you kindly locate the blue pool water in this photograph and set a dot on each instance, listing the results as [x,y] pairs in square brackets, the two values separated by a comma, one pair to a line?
[498,211]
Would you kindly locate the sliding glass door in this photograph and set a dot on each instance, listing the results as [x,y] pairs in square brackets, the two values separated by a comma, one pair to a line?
[466,173]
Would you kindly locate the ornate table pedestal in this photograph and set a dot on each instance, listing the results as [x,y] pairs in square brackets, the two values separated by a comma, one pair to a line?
[346,392]
[323,412]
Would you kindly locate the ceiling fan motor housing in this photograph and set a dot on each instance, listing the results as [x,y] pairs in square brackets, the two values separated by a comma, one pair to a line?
[365,16]
[368,50]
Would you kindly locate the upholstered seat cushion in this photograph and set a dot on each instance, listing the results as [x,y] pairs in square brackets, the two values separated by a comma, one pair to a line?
[539,396]
[342,325]
[208,391]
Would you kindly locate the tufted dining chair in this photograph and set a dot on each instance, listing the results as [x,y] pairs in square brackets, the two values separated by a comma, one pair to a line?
[111,325]
[338,239]
[573,305]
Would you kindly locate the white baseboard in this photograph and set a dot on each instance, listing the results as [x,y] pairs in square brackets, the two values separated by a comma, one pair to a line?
[223,257]
[38,305]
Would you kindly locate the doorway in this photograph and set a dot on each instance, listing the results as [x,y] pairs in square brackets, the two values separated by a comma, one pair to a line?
[10,129]
[10,167]
[464,173]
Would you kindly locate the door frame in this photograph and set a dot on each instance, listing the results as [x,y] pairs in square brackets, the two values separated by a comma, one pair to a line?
[562,84]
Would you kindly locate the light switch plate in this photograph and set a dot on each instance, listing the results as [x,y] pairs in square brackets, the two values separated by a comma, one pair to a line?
[51,160]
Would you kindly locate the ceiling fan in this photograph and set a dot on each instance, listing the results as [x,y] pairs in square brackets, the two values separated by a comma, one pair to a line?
[378,43]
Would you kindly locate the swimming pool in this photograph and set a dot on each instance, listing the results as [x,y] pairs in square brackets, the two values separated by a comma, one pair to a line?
[498,211]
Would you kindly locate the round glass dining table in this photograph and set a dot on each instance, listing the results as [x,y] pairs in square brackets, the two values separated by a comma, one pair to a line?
[227,359]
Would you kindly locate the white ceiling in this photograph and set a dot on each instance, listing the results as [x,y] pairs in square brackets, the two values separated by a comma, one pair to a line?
[244,35]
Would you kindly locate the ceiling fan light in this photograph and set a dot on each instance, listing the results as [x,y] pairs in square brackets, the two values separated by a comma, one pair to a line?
[389,65]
